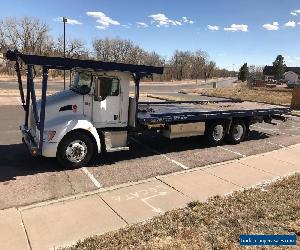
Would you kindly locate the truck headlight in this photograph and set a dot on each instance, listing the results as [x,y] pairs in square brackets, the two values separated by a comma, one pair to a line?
[49,135]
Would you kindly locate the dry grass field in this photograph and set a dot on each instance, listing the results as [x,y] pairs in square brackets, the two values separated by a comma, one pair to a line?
[279,96]
[216,224]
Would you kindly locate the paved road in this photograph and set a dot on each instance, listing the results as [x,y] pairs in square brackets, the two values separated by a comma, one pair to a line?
[10,85]
[145,87]
[175,88]
[25,180]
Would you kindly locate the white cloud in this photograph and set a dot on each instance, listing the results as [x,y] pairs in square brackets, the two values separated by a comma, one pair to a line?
[161,20]
[101,27]
[142,25]
[295,12]
[213,27]
[104,20]
[184,19]
[271,26]
[69,20]
[291,24]
[291,59]
[237,27]
[127,26]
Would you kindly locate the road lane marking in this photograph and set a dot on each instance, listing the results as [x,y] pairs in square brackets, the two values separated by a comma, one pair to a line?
[92,178]
[162,155]
[232,151]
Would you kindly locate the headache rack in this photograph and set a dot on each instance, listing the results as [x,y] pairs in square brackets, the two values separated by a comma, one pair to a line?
[46,62]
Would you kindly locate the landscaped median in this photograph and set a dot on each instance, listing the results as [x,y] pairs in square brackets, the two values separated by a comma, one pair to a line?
[216,224]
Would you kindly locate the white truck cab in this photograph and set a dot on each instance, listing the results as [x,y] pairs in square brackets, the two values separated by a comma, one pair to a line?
[75,125]
[95,107]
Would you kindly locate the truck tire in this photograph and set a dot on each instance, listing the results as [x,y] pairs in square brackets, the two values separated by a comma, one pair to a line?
[75,150]
[215,133]
[237,132]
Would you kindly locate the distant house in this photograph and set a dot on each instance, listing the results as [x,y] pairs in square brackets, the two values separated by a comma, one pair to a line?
[290,73]
[291,77]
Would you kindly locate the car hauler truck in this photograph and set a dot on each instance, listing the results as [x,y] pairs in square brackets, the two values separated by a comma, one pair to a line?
[96,114]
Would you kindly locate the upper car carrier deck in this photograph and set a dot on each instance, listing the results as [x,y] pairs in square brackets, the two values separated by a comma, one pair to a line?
[180,112]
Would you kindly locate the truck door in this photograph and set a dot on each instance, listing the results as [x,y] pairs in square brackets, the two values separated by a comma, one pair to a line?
[107,102]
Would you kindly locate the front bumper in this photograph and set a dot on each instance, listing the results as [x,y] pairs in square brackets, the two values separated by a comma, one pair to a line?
[29,141]
[49,148]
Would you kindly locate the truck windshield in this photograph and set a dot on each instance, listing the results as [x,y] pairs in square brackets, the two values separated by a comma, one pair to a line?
[81,82]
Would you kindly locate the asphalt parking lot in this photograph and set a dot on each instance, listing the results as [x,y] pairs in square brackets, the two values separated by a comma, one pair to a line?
[25,180]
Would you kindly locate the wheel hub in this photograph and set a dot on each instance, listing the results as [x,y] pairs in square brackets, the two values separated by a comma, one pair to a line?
[238,132]
[218,133]
[76,151]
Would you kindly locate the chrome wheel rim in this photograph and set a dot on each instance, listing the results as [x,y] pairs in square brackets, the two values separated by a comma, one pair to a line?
[238,132]
[76,151]
[218,133]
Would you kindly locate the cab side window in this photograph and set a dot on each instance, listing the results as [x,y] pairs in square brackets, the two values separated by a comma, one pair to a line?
[107,86]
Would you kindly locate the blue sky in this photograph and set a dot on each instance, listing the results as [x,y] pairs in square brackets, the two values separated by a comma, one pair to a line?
[231,31]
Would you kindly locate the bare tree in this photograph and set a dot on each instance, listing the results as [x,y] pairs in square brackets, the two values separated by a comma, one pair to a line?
[210,68]
[30,35]
[118,50]
[256,72]
[75,48]
[198,66]
[27,34]
[181,64]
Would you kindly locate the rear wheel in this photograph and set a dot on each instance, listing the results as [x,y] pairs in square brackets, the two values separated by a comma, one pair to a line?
[75,150]
[215,133]
[237,132]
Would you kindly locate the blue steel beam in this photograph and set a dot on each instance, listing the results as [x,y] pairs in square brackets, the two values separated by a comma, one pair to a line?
[43,107]
[33,96]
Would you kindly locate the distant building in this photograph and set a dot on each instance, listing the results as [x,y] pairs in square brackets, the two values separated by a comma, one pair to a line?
[289,75]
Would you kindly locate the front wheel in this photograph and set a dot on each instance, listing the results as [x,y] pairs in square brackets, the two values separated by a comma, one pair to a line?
[75,150]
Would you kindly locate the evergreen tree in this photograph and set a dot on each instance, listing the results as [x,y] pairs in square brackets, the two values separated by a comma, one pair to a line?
[243,73]
[279,67]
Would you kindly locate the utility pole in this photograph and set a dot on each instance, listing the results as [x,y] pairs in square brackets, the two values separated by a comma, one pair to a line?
[65,20]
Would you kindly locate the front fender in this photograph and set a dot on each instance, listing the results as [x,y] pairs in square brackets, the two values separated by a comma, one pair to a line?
[66,124]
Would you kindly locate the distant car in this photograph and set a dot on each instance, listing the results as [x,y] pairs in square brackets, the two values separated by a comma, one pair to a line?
[293,85]
[271,81]
[282,81]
